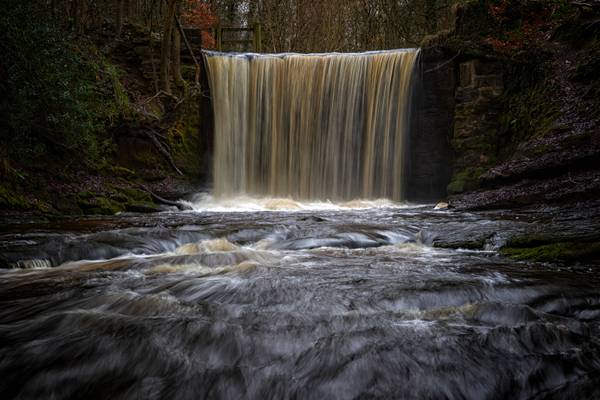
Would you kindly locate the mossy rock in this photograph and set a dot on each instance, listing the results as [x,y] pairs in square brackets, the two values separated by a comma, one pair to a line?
[475,244]
[561,251]
[44,207]
[9,199]
[66,204]
[136,195]
[85,195]
[465,180]
[100,205]
[529,241]
[120,197]
[122,172]
[142,207]
[147,159]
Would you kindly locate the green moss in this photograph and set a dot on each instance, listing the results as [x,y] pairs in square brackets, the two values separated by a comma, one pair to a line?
[99,205]
[465,180]
[86,194]
[119,197]
[118,171]
[184,138]
[149,159]
[561,251]
[141,206]
[475,244]
[136,195]
[530,241]
[9,199]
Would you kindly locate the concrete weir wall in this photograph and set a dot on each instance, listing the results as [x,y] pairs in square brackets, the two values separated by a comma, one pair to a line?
[432,128]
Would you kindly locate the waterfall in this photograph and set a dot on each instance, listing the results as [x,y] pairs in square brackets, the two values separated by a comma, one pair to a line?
[311,126]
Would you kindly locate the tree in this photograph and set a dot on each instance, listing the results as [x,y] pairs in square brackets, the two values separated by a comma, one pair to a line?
[166,50]
[176,51]
[199,14]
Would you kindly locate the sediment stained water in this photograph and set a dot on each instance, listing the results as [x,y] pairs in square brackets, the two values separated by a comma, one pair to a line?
[317,301]
[311,126]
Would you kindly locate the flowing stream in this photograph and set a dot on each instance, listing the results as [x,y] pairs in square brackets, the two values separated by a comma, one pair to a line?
[283,299]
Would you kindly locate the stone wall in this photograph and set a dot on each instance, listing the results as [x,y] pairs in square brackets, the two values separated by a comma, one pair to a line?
[475,136]
[430,154]
[454,136]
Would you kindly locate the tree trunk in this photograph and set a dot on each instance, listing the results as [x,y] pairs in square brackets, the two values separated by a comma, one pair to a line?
[129,10]
[166,48]
[176,52]
[120,16]
[78,16]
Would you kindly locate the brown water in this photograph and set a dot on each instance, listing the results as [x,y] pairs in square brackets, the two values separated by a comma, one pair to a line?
[325,302]
[316,126]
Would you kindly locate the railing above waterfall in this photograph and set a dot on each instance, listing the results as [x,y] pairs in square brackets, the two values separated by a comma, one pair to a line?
[230,38]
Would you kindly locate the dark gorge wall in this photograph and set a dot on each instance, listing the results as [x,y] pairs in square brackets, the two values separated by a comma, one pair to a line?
[524,103]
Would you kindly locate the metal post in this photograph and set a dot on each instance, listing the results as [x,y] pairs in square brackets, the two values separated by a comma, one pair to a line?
[220,38]
[257,38]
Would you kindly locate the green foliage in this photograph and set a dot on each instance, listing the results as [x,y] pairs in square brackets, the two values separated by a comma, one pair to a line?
[58,94]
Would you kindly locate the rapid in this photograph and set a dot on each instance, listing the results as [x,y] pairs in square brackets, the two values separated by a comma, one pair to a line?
[283,299]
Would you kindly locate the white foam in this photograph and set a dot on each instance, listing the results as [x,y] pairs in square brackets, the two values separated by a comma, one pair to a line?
[207,202]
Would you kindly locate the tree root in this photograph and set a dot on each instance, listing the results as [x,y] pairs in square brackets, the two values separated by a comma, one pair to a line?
[162,149]
[161,200]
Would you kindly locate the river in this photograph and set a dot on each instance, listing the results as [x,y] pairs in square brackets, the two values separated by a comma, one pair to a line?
[306,301]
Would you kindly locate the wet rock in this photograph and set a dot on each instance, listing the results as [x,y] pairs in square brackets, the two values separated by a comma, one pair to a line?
[66,204]
[442,205]
[312,218]
[567,187]
[142,207]
[549,155]
[92,204]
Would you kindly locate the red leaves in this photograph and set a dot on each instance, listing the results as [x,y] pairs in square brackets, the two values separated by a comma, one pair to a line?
[198,14]
[208,41]
[522,25]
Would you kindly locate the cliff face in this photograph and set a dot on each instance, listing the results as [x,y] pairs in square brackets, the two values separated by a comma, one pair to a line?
[526,115]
